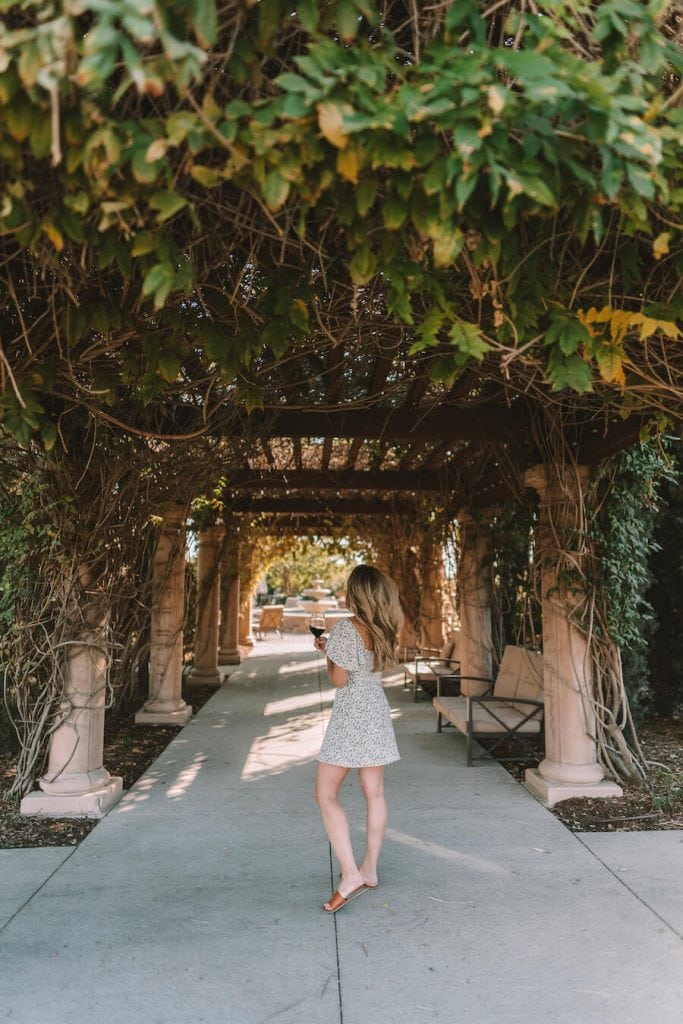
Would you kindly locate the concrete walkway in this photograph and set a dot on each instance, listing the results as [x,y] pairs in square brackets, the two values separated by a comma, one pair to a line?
[198,899]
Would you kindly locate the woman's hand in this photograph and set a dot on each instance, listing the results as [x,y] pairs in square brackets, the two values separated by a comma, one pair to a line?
[320,643]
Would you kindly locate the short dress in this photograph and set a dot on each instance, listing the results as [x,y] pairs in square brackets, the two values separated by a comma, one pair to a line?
[360,733]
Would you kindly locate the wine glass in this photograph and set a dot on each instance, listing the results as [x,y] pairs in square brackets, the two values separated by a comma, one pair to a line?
[316,624]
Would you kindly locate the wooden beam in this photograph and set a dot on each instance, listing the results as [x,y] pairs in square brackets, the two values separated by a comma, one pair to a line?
[438,423]
[598,441]
[335,479]
[337,507]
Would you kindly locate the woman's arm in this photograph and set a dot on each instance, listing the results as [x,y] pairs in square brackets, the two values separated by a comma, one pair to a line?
[337,675]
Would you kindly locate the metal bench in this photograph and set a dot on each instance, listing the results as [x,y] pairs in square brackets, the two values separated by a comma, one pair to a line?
[431,665]
[511,708]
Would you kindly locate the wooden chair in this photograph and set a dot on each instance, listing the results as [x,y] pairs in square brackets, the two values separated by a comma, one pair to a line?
[431,666]
[511,708]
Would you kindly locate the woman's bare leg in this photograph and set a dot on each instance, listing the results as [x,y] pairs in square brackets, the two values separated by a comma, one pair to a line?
[328,782]
[372,784]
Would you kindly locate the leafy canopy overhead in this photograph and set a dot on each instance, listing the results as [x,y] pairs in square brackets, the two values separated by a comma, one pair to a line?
[192,193]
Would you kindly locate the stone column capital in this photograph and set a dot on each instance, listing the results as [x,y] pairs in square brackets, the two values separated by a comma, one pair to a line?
[475,517]
[556,483]
[212,534]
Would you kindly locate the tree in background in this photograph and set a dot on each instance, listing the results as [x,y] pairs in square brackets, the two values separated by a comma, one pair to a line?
[312,558]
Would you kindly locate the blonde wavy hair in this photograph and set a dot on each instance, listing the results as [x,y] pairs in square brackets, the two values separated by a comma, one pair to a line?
[373,598]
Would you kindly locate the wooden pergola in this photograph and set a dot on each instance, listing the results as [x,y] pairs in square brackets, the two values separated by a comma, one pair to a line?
[350,439]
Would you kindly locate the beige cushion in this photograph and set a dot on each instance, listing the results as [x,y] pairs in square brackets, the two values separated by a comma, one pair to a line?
[483,722]
[520,675]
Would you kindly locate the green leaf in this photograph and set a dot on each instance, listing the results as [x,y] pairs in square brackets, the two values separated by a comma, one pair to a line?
[145,242]
[346,20]
[275,190]
[365,195]
[640,180]
[49,436]
[169,366]
[167,203]
[464,187]
[394,213]
[307,13]
[467,339]
[159,282]
[205,22]
[428,331]
[363,266]
[207,177]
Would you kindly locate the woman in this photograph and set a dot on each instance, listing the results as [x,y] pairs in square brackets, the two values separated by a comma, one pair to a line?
[359,733]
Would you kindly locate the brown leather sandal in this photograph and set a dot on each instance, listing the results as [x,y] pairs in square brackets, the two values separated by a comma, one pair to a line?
[338,901]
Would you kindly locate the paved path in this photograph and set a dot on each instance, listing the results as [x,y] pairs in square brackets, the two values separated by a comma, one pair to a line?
[198,899]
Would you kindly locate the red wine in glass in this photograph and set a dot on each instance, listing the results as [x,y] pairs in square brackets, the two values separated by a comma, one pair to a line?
[317,625]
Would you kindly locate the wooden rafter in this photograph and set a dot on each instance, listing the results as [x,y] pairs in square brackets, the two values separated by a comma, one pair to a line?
[327,452]
[354,448]
[298,459]
[338,479]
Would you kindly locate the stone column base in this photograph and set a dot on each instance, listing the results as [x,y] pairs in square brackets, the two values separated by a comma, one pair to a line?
[205,677]
[551,793]
[73,805]
[180,717]
[229,658]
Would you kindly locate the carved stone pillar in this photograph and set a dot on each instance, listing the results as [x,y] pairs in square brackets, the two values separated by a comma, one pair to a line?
[165,705]
[76,783]
[246,637]
[570,767]
[431,612]
[205,668]
[474,585]
[229,652]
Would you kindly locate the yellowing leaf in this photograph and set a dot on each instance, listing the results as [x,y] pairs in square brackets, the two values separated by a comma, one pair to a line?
[331,121]
[496,98]
[348,164]
[54,235]
[660,246]
[156,150]
[609,360]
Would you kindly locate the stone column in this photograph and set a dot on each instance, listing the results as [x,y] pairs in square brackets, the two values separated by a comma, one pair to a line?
[570,767]
[431,611]
[76,783]
[205,668]
[246,638]
[474,585]
[165,705]
[229,652]
[407,639]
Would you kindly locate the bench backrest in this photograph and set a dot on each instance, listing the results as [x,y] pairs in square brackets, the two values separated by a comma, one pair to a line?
[454,654]
[520,675]
[449,651]
[271,617]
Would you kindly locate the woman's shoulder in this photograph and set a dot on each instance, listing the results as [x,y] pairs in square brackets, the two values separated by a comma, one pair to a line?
[343,627]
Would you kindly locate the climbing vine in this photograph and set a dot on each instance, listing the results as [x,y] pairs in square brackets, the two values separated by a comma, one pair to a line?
[192,192]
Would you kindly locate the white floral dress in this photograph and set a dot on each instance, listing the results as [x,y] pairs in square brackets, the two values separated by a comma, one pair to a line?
[360,732]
